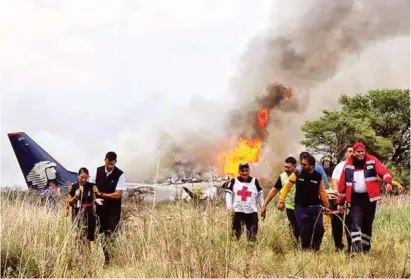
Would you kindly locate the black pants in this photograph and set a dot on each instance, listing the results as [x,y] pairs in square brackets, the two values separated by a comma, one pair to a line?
[362,213]
[250,220]
[310,221]
[88,223]
[85,219]
[108,225]
[337,227]
[293,223]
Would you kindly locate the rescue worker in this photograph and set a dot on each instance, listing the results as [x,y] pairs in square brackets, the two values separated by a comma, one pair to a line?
[110,183]
[309,194]
[289,167]
[359,189]
[317,167]
[337,222]
[81,198]
[243,193]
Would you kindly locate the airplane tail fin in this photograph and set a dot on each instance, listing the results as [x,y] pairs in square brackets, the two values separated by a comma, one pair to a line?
[38,167]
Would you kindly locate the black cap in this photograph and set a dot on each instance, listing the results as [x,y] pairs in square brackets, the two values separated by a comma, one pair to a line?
[243,165]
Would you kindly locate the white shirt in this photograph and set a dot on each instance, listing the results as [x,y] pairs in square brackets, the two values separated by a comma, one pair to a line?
[243,196]
[338,171]
[121,184]
[359,182]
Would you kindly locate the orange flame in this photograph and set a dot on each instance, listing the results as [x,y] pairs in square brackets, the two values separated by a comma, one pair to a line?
[246,150]
[288,94]
[263,118]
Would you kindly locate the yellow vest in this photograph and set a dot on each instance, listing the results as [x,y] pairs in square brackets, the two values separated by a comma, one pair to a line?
[289,200]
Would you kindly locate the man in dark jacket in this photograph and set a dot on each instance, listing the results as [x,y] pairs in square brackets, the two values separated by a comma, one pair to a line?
[110,183]
[309,196]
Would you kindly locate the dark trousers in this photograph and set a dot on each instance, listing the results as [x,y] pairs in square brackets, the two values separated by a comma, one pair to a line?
[108,225]
[362,213]
[337,227]
[310,221]
[86,221]
[293,223]
[250,220]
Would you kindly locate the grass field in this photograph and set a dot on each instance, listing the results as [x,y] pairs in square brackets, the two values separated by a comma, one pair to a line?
[180,240]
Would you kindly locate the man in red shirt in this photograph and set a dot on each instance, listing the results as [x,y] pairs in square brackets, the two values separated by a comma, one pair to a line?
[359,190]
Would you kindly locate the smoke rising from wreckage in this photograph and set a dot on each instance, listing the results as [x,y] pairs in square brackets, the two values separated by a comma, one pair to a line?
[286,71]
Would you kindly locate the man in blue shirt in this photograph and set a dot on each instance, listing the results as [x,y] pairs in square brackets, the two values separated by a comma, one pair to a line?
[317,167]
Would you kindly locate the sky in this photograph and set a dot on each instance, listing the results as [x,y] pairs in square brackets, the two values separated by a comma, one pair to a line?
[71,70]
[147,70]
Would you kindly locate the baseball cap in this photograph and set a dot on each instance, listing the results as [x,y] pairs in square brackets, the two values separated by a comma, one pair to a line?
[243,165]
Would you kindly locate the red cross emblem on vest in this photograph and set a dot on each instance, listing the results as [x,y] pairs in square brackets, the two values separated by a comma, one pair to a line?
[244,193]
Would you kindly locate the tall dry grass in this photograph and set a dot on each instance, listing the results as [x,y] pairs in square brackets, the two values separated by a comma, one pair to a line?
[180,240]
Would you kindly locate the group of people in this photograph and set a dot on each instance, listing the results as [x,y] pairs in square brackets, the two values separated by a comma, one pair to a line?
[97,204]
[305,194]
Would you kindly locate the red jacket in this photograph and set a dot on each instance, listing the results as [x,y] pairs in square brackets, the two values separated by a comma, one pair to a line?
[372,168]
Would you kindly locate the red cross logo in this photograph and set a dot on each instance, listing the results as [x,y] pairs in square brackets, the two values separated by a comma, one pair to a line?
[244,193]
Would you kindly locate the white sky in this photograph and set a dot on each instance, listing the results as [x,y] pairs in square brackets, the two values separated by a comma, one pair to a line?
[72,69]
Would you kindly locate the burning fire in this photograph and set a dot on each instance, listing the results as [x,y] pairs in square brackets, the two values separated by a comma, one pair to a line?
[246,150]
[288,94]
[263,118]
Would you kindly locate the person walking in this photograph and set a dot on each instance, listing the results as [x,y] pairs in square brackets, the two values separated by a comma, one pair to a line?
[81,198]
[309,195]
[289,167]
[340,221]
[359,190]
[243,193]
[110,183]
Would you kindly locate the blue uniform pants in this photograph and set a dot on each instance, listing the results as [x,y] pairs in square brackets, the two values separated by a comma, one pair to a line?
[310,222]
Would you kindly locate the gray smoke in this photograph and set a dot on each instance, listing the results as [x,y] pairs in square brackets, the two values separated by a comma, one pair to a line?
[317,50]
[306,49]
[184,144]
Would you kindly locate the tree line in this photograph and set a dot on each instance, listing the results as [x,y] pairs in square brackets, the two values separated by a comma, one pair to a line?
[379,118]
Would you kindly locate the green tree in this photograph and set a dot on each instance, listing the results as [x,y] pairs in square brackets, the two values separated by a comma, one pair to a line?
[380,119]
[389,114]
[336,130]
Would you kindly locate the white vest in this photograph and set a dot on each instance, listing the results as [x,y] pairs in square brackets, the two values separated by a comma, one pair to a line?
[245,196]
